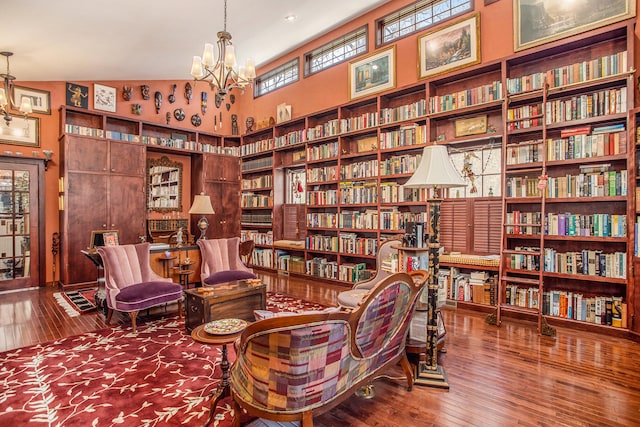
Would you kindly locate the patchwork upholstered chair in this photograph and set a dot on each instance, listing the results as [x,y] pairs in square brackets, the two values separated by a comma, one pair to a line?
[293,367]
[131,285]
[352,297]
[221,262]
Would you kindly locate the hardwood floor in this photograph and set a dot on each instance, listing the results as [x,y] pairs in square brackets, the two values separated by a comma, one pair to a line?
[506,376]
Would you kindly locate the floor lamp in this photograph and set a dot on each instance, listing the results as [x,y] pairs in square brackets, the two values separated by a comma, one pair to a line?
[202,206]
[434,172]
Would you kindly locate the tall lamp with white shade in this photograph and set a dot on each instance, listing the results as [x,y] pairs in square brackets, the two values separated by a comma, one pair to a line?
[202,206]
[435,172]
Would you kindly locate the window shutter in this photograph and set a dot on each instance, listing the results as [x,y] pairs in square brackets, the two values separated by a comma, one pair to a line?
[454,225]
[486,227]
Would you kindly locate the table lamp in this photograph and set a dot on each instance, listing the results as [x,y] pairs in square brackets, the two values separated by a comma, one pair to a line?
[202,206]
[435,172]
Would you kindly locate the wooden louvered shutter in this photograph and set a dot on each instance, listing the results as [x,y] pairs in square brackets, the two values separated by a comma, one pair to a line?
[486,227]
[454,223]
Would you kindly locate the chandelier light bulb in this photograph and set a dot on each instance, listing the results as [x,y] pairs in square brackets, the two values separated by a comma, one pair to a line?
[3,98]
[208,58]
[196,68]
[25,105]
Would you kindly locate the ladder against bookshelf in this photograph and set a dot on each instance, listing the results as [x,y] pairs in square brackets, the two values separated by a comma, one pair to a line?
[567,200]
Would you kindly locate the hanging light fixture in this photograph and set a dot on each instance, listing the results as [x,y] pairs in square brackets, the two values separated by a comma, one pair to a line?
[221,73]
[6,102]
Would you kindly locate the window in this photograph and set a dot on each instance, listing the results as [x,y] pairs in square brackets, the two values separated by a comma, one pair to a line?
[276,78]
[337,51]
[480,167]
[422,14]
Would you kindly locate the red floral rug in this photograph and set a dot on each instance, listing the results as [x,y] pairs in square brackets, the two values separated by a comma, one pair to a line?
[157,377]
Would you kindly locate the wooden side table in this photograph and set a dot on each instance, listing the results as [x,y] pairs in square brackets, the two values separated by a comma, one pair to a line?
[223,390]
[184,277]
[165,264]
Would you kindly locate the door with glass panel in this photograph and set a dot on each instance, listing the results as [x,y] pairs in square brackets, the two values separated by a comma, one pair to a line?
[20,233]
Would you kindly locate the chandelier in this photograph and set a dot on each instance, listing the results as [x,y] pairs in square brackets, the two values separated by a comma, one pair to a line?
[6,102]
[222,73]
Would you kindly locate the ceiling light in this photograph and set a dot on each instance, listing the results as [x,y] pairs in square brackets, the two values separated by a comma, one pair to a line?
[290,18]
[221,73]
[6,102]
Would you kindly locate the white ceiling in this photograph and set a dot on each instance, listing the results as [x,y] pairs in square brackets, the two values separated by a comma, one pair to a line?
[58,40]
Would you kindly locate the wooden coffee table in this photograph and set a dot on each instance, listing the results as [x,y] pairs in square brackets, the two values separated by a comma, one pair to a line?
[236,299]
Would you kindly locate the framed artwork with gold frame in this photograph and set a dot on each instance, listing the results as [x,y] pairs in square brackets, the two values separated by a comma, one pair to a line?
[471,126]
[372,74]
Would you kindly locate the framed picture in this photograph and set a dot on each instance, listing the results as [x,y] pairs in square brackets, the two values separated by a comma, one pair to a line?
[538,22]
[450,48]
[283,113]
[40,99]
[21,131]
[104,98]
[103,238]
[77,95]
[110,238]
[471,126]
[374,73]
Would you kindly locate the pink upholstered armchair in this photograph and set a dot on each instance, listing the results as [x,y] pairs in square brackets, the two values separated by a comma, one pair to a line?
[291,368]
[220,261]
[131,284]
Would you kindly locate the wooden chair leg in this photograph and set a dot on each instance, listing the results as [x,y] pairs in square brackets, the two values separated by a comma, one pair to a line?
[109,314]
[406,367]
[237,413]
[133,315]
[307,419]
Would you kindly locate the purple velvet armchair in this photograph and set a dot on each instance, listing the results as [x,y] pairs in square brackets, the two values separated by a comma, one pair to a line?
[291,368]
[131,284]
[221,262]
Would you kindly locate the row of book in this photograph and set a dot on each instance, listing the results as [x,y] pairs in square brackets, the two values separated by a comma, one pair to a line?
[320,242]
[257,147]
[587,146]
[364,169]
[600,309]
[597,224]
[405,136]
[255,218]
[322,267]
[466,98]
[363,192]
[396,220]
[404,112]
[400,164]
[251,200]
[262,257]
[352,272]
[322,220]
[351,243]
[479,287]
[392,192]
[322,174]
[262,163]
[590,262]
[322,151]
[525,152]
[322,197]
[367,220]
[588,184]
[597,104]
[524,117]
[258,237]
[570,74]
[292,138]
[257,183]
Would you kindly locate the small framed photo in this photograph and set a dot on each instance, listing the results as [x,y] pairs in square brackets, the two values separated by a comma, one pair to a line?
[374,73]
[104,98]
[40,99]
[455,46]
[77,96]
[471,126]
[283,113]
[21,131]
[110,238]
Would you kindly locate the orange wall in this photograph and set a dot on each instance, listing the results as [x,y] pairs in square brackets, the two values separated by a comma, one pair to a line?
[321,91]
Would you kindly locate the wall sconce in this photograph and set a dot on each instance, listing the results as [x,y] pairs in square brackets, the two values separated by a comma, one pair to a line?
[47,157]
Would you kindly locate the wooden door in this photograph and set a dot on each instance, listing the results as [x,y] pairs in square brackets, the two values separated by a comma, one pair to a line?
[225,200]
[21,224]
[219,167]
[127,210]
[86,211]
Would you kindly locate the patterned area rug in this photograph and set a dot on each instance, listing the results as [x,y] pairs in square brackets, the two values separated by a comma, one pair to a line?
[157,377]
[77,302]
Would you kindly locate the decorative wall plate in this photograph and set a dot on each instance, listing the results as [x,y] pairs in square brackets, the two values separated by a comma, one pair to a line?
[178,113]
[196,120]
